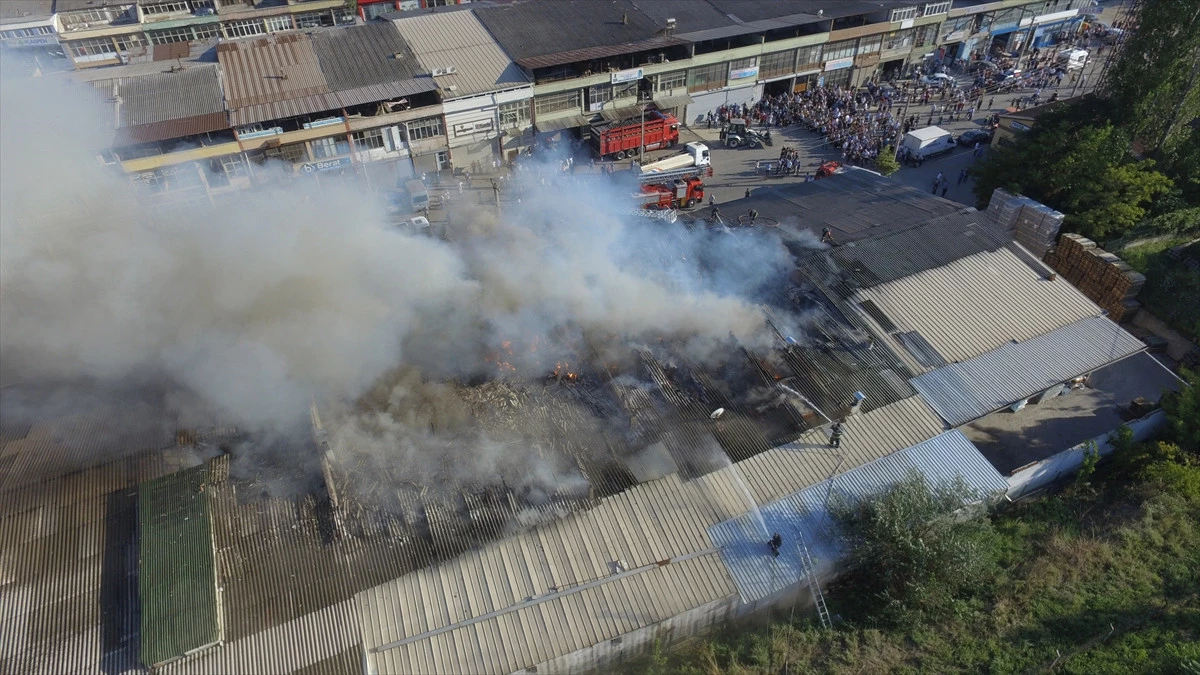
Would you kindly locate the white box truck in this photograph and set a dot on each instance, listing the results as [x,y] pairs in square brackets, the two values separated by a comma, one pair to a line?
[927,142]
[1073,58]
[694,154]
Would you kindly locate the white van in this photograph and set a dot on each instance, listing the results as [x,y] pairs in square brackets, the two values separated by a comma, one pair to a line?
[1073,58]
[927,142]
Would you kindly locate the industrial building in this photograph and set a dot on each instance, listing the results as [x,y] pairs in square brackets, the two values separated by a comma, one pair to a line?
[174,555]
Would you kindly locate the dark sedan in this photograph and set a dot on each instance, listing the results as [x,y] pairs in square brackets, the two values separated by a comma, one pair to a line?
[968,139]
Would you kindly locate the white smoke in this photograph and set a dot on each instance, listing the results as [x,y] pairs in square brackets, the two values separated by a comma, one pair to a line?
[278,296]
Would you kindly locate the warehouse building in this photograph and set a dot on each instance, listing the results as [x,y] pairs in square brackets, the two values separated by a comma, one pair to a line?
[364,571]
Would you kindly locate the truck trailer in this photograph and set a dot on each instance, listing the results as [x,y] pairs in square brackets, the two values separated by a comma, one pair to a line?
[927,142]
[694,154]
[621,139]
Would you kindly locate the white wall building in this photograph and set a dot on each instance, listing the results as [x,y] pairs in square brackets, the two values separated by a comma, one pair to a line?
[486,97]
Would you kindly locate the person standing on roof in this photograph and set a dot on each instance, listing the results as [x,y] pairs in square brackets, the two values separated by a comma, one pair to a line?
[835,436]
[827,236]
[775,543]
[712,200]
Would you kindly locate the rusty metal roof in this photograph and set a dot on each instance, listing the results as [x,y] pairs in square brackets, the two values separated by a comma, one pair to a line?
[273,78]
[163,105]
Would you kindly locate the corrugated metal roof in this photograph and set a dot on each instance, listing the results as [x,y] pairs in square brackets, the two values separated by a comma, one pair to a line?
[459,40]
[273,78]
[535,29]
[600,52]
[637,558]
[162,105]
[973,305]
[804,514]
[965,391]
[177,577]
[560,123]
[809,460]
[362,56]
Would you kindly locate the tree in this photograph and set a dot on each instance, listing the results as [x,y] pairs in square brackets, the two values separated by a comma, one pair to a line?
[1075,161]
[1183,414]
[910,553]
[1154,85]
[887,163]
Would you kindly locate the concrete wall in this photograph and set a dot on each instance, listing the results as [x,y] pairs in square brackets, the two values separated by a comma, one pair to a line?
[1039,474]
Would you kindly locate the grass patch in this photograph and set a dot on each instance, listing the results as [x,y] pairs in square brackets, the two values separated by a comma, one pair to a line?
[1101,579]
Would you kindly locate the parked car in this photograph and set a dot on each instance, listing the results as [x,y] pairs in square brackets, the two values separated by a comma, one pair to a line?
[938,79]
[969,138]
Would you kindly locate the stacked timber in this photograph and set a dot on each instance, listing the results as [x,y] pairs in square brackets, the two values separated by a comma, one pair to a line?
[1109,281]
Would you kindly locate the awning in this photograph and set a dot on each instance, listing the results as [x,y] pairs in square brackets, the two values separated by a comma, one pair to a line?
[569,122]
[673,101]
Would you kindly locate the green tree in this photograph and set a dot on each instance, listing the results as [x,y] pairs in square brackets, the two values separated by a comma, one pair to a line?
[909,553]
[1075,161]
[1183,414]
[887,163]
[1154,85]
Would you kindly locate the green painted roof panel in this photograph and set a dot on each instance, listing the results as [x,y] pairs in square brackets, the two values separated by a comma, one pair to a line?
[177,579]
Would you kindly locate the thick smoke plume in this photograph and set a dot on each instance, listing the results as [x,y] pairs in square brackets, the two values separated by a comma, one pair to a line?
[280,296]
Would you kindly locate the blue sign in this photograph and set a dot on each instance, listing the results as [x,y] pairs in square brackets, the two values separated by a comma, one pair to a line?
[325,165]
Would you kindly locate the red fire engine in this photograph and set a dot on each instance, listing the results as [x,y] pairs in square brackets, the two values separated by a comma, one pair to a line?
[679,193]
[618,140]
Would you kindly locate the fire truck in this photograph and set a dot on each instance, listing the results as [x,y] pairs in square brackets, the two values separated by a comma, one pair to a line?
[620,139]
[676,194]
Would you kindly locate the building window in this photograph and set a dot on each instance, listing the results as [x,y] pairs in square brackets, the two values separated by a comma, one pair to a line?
[936,8]
[443,159]
[89,16]
[129,41]
[809,57]
[163,37]
[207,31]
[167,7]
[324,148]
[233,166]
[293,153]
[598,96]
[870,45]
[925,35]
[780,63]
[244,28]
[315,19]
[278,23]
[515,114]
[625,90]
[425,128]
[898,39]
[92,47]
[377,9]
[708,77]
[550,103]
[669,81]
[904,14]
[26,32]
[839,50]
[371,139]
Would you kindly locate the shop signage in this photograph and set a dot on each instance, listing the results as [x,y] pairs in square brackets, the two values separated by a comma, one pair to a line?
[1018,126]
[956,36]
[743,73]
[325,165]
[838,64]
[260,133]
[1055,16]
[39,41]
[468,128]
[324,122]
[630,75]
[906,24]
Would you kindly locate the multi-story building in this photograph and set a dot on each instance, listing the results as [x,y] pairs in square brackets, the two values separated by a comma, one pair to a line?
[371,9]
[458,89]
[110,32]
[27,23]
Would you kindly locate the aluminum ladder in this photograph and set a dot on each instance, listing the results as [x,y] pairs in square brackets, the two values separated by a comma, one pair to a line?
[814,586]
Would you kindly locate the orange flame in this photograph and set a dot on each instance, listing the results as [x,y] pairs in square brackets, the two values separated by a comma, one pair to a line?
[562,372]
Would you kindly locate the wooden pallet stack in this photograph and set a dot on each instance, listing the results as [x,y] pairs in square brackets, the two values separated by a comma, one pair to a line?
[1109,281]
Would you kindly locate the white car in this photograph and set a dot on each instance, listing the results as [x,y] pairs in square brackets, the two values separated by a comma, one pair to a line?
[938,78]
